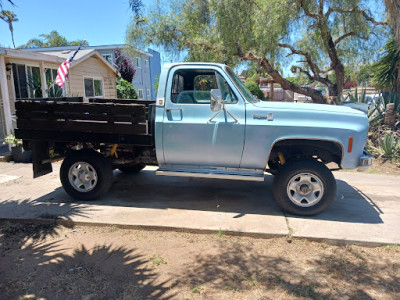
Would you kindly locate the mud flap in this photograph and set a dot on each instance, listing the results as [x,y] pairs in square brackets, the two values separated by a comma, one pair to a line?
[41,159]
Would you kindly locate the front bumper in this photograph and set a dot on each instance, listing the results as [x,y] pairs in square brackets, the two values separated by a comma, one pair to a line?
[365,161]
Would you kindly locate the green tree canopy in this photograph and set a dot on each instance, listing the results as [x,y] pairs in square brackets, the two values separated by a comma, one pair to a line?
[53,39]
[254,89]
[316,37]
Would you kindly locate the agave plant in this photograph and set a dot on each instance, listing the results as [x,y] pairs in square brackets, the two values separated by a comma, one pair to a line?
[356,98]
[389,146]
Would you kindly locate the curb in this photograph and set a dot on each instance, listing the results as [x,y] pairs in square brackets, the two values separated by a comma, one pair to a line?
[71,223]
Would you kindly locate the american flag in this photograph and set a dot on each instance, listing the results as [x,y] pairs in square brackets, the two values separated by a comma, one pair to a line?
[62,72]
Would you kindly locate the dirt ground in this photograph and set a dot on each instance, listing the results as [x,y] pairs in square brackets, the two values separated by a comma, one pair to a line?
[56,262]
[382,166]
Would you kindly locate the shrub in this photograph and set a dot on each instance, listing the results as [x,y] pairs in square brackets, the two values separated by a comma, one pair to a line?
[254,89]
[124,65]
[10,139]
[125,90]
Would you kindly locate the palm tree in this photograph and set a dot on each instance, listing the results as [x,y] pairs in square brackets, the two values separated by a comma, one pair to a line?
[53,39]
[9,17]
[393,9]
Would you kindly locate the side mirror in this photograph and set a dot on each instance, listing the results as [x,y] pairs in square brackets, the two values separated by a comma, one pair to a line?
[216,103]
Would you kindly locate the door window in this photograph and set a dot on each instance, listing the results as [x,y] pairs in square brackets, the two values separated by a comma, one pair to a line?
[193,87]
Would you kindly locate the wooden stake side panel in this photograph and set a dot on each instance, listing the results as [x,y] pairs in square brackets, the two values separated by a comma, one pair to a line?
[111,118]
[147,103]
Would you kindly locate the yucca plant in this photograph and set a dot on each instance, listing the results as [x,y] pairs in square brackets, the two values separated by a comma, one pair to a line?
[389,146]
[35,85]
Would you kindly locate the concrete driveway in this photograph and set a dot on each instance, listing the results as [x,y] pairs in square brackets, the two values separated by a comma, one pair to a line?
[366,210]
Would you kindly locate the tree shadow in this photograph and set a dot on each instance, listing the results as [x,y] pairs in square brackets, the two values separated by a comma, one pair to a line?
[238,268]
[145,190]
[32,264]
[40,208]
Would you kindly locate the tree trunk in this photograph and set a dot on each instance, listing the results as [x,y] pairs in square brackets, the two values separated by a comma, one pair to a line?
[315,95]
[333,94]
[390,115]
[12,37]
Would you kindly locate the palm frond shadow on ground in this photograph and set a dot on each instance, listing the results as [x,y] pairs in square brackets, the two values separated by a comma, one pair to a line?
[102,272]
[343,274]
[41,208]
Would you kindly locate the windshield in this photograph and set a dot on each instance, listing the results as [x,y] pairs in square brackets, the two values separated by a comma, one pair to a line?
[246,93]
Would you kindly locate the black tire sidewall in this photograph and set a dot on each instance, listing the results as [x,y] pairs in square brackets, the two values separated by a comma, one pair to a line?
[98,162]
[287,171]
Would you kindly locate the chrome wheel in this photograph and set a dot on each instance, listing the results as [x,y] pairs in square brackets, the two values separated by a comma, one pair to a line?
[82,176]
[305,189]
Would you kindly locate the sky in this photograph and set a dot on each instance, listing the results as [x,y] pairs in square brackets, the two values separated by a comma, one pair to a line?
[100,22]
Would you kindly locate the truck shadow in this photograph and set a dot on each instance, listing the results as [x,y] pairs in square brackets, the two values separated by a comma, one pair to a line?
[145,190]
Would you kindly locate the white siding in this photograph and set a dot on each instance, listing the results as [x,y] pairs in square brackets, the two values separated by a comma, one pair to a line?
[91,67]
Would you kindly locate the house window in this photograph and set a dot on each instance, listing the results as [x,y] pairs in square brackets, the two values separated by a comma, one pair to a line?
[20,81]
[27,82]
[108,57]
[54,89]
[93,87]
[140,94]
[138,63]
[34,82]
[148,94]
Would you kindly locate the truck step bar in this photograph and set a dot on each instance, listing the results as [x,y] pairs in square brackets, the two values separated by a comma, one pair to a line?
[212,173]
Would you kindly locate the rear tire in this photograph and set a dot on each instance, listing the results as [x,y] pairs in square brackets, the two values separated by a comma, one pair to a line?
[129,169]
[304,187]
[86,175]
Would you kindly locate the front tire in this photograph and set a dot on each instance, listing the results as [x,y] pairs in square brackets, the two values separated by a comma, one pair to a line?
[304,187]
[86,175]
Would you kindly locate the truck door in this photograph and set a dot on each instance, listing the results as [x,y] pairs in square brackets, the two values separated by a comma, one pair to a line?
[191,136]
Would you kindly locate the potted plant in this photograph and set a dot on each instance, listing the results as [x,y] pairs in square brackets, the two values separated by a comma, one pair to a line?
[17,151]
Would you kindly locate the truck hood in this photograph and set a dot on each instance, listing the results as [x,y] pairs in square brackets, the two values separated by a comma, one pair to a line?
[308,107]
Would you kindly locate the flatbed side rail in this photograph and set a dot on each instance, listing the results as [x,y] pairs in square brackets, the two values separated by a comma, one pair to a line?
[54,99]
[84,137]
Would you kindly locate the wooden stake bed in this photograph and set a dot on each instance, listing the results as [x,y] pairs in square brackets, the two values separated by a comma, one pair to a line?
[112,121]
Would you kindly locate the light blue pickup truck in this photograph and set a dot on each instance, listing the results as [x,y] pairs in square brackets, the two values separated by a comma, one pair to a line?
[204,123]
